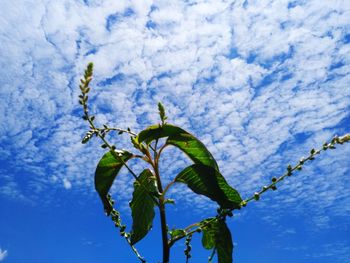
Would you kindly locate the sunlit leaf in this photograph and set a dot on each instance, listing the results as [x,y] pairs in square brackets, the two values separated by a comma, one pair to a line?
[106,171]
[205,180]
[217,235]
[181,139]
[142,206]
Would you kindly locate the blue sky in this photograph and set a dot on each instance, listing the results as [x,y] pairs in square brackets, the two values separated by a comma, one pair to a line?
[259,82]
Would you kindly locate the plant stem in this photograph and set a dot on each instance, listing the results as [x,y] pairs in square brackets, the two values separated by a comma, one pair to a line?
[108,129]
[166,247]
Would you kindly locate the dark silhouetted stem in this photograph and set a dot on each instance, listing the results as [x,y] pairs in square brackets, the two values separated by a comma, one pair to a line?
[161,205]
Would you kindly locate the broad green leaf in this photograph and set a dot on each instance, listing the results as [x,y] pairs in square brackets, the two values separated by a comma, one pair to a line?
[181,139]
[142,206]
[193,148]
[205,180]
[157,131]
[224,246]
[217,235]
[106,171]
[208,235]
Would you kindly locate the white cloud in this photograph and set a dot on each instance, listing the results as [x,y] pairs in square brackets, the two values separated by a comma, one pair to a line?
[247,79]
[3,254]
[67,184]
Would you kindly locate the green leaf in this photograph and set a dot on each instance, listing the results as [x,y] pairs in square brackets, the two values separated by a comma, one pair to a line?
[217,235]
[193,148]
[205,180]
[106,171]
[224,246]
[142,206]
[157,131]
[208,236]
[181,139]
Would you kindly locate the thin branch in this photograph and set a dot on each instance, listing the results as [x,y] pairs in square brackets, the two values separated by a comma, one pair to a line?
[156,159]
[272,186]
[168,186]
[297,167]
[155,149]
[108,129]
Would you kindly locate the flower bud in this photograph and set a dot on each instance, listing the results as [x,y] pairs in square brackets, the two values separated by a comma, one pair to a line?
[256,196]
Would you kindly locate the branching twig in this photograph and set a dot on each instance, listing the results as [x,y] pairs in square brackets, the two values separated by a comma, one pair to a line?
[272,186]
[297,167]
[101,132]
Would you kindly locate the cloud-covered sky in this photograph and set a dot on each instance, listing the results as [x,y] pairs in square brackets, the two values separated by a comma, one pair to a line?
[3,254]
[259,82]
